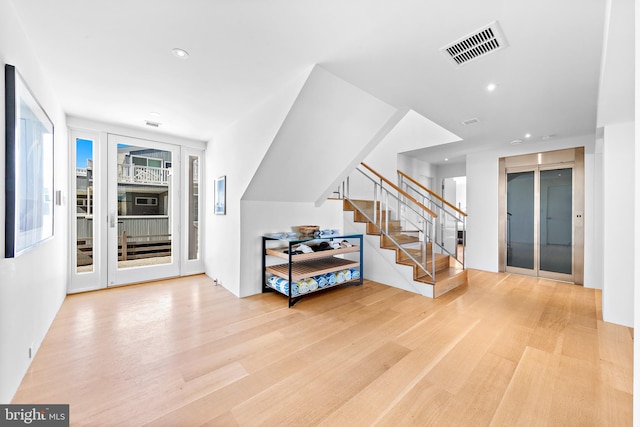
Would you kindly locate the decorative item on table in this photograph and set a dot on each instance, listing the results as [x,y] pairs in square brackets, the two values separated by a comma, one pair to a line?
[328,233]
[308,230]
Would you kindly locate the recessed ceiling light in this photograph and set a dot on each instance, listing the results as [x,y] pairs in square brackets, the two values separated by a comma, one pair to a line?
[180,53]
[446,159]
[491,87]
[154,113]
[516,142]
[527,135]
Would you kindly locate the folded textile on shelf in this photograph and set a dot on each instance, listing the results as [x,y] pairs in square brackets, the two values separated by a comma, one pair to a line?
[283,285]
[345,244]
[322,281]
[331,277]
[313,284]
[347,274]
[355,273]
[303,287]
[304,248]
[340,276]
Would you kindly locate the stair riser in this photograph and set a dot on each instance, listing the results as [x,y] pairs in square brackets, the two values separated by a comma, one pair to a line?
[386,242]
[441,286]
[442,263]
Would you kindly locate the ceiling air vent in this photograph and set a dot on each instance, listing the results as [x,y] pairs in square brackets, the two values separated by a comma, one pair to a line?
[152,124]
[470,122]
[480,43]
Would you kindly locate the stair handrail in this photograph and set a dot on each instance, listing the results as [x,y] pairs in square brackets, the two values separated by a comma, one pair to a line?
[440,207]
[435,195]
[400,191]
[379,205]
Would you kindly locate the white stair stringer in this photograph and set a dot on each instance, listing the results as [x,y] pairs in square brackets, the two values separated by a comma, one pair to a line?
[380,264]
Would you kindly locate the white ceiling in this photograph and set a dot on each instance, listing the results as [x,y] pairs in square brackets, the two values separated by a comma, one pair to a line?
[111,60]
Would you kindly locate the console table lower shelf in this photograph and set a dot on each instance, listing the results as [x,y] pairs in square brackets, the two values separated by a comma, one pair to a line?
[309,273]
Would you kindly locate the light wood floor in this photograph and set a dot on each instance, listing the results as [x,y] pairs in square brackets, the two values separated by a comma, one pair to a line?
[504,351]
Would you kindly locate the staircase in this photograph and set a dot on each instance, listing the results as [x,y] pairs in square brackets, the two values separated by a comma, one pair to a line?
[407,226]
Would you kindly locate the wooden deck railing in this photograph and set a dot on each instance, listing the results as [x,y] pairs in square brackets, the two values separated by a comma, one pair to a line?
[129,247]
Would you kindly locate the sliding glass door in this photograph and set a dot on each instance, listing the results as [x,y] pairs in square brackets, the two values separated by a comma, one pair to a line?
[556,226]
[521,233]
[541,214]
[539,222]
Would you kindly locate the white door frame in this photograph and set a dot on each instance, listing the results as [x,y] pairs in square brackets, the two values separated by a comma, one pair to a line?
[194,266]
[104,274]
[96,278]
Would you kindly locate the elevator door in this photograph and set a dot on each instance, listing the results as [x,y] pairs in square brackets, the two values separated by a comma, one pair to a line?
[539,222]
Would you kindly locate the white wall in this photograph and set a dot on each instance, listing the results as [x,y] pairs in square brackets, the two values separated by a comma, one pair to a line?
[149,134]
[618,245]
[32,286]
[418,169]
[258,218]
[616,120]
[296,149]
[594,223]
[482,211]
[237,153]
[411,133]
[448,170]
[636,220]
[328,130]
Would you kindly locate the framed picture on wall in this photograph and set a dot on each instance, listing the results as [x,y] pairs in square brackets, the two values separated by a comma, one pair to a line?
[220,197]
[28,168]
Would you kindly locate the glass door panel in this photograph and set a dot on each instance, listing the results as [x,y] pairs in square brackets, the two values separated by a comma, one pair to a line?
[87,241]
[142,210]
[520,220]
[192,189]
[556,228]
[144,235]
[193,214]
[84,205]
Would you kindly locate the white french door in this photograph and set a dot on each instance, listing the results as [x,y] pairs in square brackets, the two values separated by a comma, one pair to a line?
[143,181]
[129,202]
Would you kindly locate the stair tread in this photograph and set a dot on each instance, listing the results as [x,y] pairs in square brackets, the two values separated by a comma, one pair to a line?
[446,276]
[441,275]
[448,273]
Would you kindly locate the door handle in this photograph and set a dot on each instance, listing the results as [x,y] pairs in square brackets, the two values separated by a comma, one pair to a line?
[112,219]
